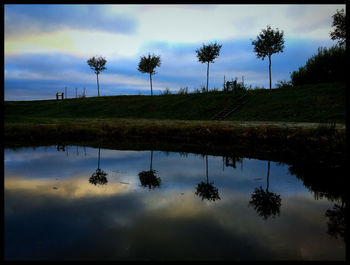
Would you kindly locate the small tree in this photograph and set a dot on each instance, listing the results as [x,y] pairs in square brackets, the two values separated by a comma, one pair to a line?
[97,65]
[339,23]
[148,64]
[268,42]
[207,54]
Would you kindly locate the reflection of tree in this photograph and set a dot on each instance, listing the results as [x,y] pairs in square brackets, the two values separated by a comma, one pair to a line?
[336,224]
[327,178]
[99,176]
[148,178]
[60,147]
[207,190]
[264,202]
[231,161]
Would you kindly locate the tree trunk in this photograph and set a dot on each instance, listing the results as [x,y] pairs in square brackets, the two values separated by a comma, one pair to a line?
[98,86]
[270,69]
[98,164]
[268,176]
[207,75]
[150,80]
[206,158]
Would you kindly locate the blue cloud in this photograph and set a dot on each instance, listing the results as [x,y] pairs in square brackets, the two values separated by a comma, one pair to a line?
[29,19]
[179,68]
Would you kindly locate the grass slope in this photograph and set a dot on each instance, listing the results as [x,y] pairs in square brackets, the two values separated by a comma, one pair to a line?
[309,103]
[312,103]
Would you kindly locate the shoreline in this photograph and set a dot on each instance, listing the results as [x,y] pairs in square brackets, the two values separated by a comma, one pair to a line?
[221,137]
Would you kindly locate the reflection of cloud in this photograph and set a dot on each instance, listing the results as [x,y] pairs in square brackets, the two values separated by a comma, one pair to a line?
[76,188]
[166,217]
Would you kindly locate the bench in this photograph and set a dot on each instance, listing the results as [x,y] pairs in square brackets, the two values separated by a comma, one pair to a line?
[60,95]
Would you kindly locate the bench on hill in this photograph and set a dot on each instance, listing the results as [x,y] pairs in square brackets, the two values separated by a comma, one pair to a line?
[59,94]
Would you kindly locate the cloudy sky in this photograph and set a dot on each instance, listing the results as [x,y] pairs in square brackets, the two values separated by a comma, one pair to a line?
[47,46]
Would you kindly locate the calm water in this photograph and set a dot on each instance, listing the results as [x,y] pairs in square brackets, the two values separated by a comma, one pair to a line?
[100,204]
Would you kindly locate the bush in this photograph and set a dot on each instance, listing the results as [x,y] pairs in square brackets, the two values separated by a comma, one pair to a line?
[328,65]
[166,92]
[215,89]
[183,91]
[284,84]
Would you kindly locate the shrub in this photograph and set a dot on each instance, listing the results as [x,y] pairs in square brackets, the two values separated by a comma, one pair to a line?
[284,84]
[215,89]
[328,65]
[183,91]
[166,92]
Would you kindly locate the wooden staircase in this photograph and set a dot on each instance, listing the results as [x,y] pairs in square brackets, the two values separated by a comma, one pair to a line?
[230,109]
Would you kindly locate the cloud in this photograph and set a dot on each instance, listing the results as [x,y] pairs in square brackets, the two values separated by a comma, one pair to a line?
[36,19]
[53,42]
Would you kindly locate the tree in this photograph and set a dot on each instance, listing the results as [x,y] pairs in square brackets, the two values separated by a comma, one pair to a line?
[207,190]
[97,65]
[268,42]
[148,178]
[148,64]
[339,22]
[266,203]
[207,54]
[99,176]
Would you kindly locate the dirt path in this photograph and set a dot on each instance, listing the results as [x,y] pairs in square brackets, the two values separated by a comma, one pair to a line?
[310,125]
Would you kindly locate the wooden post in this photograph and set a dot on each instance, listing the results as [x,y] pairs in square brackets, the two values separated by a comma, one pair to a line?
[224,85]
[76,92]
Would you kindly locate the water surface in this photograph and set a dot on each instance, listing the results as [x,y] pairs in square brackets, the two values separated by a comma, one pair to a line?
[68,203]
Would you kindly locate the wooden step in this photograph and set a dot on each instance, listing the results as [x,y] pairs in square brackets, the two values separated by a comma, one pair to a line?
[230,109]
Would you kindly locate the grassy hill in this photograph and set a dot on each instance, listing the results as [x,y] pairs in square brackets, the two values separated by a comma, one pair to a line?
[312,103]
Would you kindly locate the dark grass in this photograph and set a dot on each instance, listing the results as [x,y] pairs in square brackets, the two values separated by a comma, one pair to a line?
[311,103]
[324,139]
[308,103]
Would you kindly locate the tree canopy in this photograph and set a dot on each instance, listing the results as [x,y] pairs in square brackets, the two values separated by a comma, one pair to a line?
[149,63]
[339,22]
[207,53]
[97,64]
[268,42]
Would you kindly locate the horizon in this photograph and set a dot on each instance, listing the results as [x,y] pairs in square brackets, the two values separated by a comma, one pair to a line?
[46,51]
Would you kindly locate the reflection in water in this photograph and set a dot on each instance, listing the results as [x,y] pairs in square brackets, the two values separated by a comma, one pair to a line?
[148,178]
[327,179]
[336,223]
[264,202]
[207,190]
[231,161]
[48,224]
[99,176]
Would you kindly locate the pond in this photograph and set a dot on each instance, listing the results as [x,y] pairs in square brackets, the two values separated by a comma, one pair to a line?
[85,203]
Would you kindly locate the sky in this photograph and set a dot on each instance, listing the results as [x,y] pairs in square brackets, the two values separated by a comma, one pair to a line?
[46,47]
